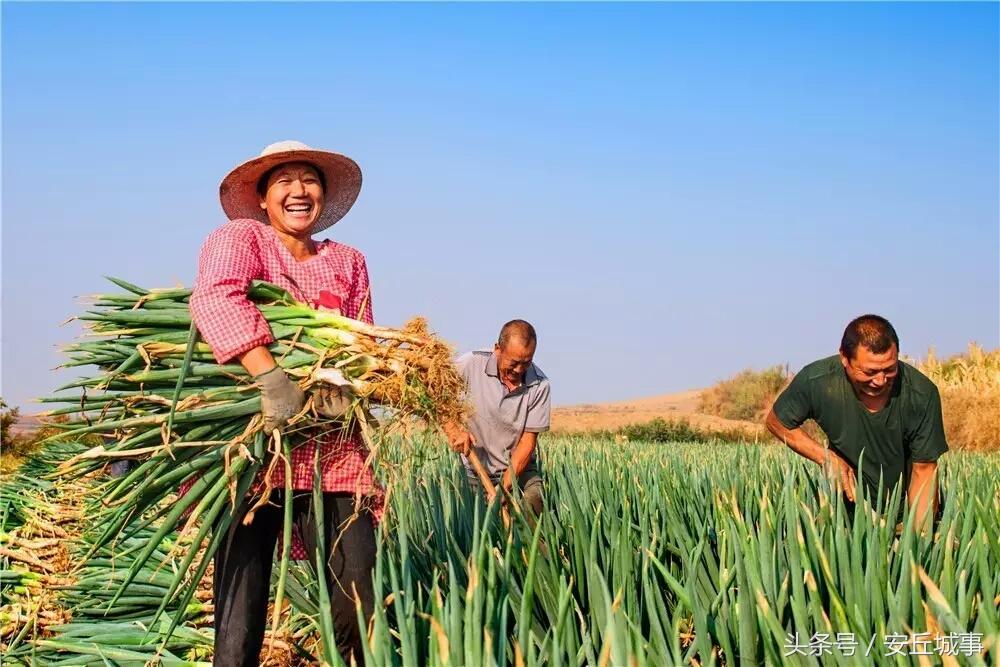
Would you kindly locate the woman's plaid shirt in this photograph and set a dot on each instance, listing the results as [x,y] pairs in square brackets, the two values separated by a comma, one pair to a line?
[245,250]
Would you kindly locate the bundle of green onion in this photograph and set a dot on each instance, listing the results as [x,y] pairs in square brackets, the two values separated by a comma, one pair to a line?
[162,401]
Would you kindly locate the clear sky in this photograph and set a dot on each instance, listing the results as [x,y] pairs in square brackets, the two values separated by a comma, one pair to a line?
[669,192]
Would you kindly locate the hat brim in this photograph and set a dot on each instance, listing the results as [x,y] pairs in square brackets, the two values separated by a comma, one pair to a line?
[238,190]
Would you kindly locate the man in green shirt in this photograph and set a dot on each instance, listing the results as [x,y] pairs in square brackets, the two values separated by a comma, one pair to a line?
[866,400]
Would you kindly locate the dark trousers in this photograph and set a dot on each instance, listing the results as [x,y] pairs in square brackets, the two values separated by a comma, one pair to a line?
[529,482]
[243,574]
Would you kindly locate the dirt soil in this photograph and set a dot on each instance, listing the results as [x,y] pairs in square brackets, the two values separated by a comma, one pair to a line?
[611,416]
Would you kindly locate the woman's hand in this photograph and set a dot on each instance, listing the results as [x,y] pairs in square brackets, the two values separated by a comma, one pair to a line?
[331,401]
[280,398]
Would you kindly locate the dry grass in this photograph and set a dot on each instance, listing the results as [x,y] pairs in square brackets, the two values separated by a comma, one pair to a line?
[442,389]
[970,396]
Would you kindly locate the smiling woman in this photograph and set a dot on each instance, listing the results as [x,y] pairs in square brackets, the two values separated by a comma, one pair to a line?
[276,202]
[292,196]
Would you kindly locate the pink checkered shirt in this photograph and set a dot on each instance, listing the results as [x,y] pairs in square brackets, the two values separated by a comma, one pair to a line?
[244,250]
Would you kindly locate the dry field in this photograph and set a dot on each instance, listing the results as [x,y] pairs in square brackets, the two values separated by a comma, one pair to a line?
[611,416]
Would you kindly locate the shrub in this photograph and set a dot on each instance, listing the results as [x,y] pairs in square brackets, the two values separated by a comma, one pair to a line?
[13,445]
[660,430]
[747,395]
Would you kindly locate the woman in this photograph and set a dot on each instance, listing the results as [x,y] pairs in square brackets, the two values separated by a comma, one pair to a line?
[275,203]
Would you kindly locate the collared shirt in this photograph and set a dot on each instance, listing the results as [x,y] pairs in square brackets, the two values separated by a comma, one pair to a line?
[241,251]
[501,416]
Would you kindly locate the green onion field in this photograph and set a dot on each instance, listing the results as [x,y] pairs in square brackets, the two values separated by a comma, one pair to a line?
[647,554]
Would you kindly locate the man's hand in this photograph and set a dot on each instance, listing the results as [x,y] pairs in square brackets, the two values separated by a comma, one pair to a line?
[331,401]
[842,474]
[800,442]
[280,398]
[499,493]
[922,494]
[459,439]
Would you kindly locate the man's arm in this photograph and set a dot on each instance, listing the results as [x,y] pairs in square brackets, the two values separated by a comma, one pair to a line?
[926,444]
[921,496]
[538,419]
[806,446]
[519,458]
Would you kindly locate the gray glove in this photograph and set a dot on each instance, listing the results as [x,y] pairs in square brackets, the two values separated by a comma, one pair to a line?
[280,398]
[332,401]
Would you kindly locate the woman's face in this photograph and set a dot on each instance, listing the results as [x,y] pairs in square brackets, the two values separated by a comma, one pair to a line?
[293,198]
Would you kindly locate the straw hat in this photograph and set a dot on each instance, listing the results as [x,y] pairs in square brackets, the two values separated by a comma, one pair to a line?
[238,191]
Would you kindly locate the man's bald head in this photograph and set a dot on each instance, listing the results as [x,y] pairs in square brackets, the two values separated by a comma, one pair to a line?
[514,351]
[519,331]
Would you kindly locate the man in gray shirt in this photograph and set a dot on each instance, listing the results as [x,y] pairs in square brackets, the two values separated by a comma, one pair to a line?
[510,401]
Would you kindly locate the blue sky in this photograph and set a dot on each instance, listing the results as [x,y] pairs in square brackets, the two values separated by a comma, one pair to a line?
[669,192]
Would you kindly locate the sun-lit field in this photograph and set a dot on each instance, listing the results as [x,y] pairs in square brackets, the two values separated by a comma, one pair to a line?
[970,396]
[646,555]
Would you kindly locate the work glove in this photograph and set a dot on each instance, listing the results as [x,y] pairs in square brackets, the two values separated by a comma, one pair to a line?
[332,401]
[280,398]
